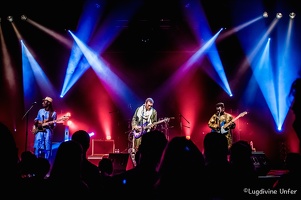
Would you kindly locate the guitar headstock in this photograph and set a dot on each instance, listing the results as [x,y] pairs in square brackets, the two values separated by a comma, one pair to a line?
[243,114]
[166,119]
[63,118]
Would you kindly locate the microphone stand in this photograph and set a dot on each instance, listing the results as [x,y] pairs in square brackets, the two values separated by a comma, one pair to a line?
[181,124]
[26,124]
[143,124]
[219,124]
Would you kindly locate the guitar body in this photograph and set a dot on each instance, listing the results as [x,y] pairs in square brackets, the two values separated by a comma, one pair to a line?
[36,129]
[137,133]
[224,130]
[41,127]
[225,126]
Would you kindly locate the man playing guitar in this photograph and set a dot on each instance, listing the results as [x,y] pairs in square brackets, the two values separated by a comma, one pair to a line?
[43,134]
[219,119]
[142,120]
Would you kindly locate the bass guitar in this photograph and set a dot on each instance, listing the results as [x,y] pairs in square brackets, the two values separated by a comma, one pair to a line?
[41,127]
[224,127]
[141,130]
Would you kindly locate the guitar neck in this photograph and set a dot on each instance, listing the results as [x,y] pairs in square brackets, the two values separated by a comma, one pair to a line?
[50,122]
[233,120]
[155,123]
[236,118]
[47,123]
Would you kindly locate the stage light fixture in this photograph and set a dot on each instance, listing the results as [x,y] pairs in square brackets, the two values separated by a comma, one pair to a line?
[278,15]
[10,18]
[265,14]
[24,17]
[292,15]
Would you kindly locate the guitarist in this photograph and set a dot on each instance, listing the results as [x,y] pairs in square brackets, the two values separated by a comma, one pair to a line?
[219,119]
[43,134]
[144,115]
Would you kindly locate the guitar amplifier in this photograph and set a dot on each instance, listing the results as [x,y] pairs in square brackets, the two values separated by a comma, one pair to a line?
[61,133]
[100,147]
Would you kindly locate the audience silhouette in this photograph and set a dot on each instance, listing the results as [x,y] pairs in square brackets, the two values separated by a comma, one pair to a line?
[89,171]
[27,164]
[36,180]
[65,175]
[291,180]
[243,172]
[217,166]
[10,183]
[105,166]
[181,171]
[143,176]
[42,168]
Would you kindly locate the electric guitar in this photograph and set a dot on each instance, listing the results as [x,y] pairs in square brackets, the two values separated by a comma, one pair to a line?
[224,127]
[140,131]
[41,127]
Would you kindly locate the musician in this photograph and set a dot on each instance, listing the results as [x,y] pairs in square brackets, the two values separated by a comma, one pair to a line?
[218,121]
[44,124]
[144,116]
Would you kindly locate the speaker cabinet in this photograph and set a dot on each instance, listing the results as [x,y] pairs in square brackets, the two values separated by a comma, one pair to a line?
[261,163]
[61,133]
[121,162]
[101,147]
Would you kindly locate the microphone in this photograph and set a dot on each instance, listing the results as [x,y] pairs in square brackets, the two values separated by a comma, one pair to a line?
[34,103]
[219,111]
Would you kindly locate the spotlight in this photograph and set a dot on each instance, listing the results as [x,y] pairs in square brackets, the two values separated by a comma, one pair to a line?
[265,14]
[10,18]
[278,15]
[292,15]
[24,17]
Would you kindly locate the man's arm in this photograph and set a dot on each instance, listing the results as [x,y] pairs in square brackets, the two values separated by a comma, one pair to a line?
[213,123]
[52,123]
[154,118]
[231,125]
[135,122]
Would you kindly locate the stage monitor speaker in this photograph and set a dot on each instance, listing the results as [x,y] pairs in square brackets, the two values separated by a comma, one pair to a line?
[61,133]
[121,162]
[261,163]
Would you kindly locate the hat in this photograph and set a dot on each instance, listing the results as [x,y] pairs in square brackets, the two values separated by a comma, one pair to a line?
[220,104]
[48,99]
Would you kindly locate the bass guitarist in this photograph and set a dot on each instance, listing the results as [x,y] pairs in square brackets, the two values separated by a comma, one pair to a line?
[218,121]
[43,133]
[144,116]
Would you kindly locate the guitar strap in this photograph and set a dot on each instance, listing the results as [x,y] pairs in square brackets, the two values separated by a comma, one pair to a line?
[149,116]
[50,116]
